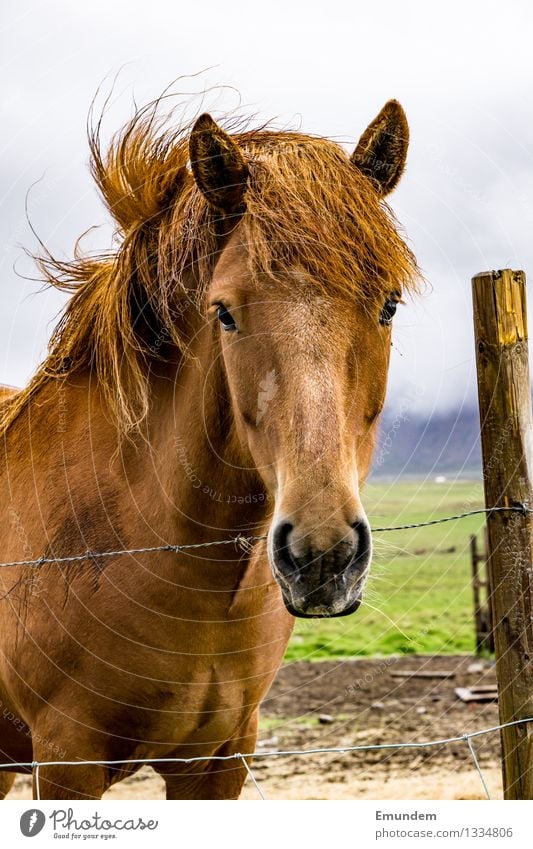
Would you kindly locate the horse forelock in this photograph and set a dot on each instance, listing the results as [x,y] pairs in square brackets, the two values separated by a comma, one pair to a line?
[307,207]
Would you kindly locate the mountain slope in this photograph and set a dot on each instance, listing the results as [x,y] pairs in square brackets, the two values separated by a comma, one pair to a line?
[441,443]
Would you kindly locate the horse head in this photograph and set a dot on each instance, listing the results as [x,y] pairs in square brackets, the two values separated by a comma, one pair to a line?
[302,298]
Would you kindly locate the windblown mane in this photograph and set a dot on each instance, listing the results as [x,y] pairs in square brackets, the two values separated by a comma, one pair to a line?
[306,205]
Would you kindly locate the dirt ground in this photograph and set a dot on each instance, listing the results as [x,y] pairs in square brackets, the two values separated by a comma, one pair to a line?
[363,702]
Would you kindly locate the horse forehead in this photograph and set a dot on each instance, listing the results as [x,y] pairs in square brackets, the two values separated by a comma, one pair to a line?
[300,305]
[304,310]
[311,341]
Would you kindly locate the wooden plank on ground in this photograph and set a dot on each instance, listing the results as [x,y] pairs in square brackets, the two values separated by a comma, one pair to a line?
[485,693]
[421,674]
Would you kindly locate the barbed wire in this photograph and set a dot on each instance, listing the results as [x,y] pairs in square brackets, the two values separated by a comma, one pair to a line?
[514,508]
[239,540]
[244,758]
[246,542]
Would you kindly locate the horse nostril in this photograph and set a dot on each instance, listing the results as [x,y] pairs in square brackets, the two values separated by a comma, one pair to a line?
[281,542]
[281,536]
[363,542]
[296,556]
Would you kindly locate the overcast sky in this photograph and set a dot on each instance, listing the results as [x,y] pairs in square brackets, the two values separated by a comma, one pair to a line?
[462,70]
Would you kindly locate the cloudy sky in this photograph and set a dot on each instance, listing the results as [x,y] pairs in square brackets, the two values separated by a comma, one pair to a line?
[463,72]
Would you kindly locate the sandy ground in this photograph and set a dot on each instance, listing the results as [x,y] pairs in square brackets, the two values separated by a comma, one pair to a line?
[358,703]
[430,784]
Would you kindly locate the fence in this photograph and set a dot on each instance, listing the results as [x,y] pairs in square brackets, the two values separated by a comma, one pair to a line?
[246,543]
[481,594]
[467,738]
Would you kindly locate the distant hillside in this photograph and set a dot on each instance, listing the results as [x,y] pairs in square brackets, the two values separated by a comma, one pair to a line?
[439,444]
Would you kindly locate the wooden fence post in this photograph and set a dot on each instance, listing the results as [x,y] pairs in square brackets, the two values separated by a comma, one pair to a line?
[478,613]
[490,639]
[504,389]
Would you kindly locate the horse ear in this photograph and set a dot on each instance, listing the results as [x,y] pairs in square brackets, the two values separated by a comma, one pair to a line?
[382,149]
[218,165]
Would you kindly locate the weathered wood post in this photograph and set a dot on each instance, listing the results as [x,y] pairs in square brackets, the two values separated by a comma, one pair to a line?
[481,594]
[490,627]
[478,613]
[507,445]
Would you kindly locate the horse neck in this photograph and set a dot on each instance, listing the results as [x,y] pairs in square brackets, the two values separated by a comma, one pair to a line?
[207,475]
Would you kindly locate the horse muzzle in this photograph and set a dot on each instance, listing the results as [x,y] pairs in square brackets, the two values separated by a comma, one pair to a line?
[321,583]
[308,610]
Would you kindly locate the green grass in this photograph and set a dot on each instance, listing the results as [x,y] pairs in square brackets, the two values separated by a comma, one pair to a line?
[419,591]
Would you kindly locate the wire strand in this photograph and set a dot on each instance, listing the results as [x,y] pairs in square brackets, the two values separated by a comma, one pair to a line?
[333,750]
[253,778]
[244,542]
[476,764]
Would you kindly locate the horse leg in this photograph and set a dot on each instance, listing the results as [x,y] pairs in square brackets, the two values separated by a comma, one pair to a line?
[6,783]
[212,779]
[217,780]
[63,781]
[69,782]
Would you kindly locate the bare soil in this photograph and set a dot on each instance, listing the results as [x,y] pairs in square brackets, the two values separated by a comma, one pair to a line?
[357,703]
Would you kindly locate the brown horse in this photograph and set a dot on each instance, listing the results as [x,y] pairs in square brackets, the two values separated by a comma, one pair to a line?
[220,373]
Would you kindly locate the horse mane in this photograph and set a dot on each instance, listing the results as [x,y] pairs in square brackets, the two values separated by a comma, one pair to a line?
[307,206]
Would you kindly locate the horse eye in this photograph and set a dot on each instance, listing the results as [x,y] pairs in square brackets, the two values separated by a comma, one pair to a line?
[388,311]
[225,318]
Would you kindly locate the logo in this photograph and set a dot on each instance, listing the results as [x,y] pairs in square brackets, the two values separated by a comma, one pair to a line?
[32,822]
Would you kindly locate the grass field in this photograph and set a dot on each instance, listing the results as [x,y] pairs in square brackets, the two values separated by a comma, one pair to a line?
[419,595]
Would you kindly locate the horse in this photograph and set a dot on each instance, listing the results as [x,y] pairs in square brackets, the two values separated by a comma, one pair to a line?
[217,375]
